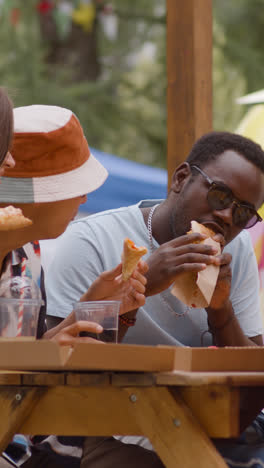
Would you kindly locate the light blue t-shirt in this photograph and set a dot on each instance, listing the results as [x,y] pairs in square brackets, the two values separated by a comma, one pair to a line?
[94,244]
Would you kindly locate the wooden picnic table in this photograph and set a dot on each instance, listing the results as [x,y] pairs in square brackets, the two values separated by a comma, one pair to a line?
[178,411]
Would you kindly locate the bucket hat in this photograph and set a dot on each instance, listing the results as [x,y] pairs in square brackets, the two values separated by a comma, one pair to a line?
[53,160]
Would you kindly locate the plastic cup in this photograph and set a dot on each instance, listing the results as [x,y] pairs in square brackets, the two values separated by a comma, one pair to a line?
[105,313]
[19,317]
[20,302]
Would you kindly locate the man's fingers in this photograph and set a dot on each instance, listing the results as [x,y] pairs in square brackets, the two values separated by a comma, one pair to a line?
[219,238]
[142,267]
[205,249]
[188,268]
[225,259]
[83,325]
[198,258]
[195,237]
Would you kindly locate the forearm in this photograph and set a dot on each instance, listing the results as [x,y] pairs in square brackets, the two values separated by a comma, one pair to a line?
[226,329]
[123,328]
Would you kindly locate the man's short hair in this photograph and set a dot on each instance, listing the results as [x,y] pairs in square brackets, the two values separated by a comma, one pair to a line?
[211,145]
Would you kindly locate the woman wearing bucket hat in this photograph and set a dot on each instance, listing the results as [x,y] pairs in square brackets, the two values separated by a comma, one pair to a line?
[53,173]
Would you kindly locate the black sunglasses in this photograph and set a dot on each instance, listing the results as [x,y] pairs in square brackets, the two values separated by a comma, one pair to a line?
[220,196]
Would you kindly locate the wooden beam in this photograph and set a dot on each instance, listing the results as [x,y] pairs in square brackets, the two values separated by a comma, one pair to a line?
[221,401]
[105,410]
[16,403]
[173,430]
[189,74]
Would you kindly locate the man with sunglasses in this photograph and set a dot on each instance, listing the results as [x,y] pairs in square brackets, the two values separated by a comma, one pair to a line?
[220,185]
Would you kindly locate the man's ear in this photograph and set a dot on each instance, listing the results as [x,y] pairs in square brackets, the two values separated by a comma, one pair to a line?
[180,176]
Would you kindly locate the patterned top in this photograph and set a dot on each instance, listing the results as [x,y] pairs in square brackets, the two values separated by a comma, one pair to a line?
[27,258]
[26,261]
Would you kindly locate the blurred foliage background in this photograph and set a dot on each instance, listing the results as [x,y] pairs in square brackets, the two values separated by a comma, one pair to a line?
[106,61]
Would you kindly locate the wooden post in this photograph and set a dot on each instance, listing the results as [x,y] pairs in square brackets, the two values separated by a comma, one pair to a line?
[189,73]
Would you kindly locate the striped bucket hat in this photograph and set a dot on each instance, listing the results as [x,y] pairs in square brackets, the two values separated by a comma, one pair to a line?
[53,160]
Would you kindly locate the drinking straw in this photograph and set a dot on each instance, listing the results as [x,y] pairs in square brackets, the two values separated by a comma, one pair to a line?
[21,297]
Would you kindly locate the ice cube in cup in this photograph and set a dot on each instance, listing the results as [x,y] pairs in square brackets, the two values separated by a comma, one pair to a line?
[20,302]
[105,313]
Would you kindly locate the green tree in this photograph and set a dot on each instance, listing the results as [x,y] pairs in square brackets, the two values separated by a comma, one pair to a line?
[121,105]
[238,56]
[118,92]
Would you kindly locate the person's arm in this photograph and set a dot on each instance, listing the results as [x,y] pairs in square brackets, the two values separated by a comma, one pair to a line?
[77,263]
[130,317]
[110,286]
[226,329]
[226,326]
[181,255]
[169,260]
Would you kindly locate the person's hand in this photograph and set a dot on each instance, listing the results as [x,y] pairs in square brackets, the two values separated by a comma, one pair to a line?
[223,284]
[178,256]
[69,335]
[110,286]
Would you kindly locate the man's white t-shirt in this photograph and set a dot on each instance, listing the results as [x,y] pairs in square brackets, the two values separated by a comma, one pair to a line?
[94,244]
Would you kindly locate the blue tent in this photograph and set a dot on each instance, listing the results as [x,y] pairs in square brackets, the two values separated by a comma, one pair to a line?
[128,182]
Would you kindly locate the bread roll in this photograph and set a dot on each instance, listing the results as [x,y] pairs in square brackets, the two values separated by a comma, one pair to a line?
[201,229]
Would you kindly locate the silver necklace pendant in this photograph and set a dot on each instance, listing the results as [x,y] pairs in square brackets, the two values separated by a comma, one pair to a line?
[152,249]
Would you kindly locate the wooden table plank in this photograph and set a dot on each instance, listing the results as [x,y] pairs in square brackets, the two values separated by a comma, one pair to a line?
[10,378]
[179,378]
[127,379]
[233,379]
[49,379]
[77,379]
[109,410]
[69,410]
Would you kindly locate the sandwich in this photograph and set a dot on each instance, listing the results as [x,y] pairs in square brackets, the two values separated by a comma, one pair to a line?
[12,218]
[196,289]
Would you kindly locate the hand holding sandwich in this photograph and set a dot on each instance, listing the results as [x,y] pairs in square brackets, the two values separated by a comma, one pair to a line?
[223,285]
[111,286]
[222,321]
[108,286]
[126,283]
[185,254]
[184,258]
